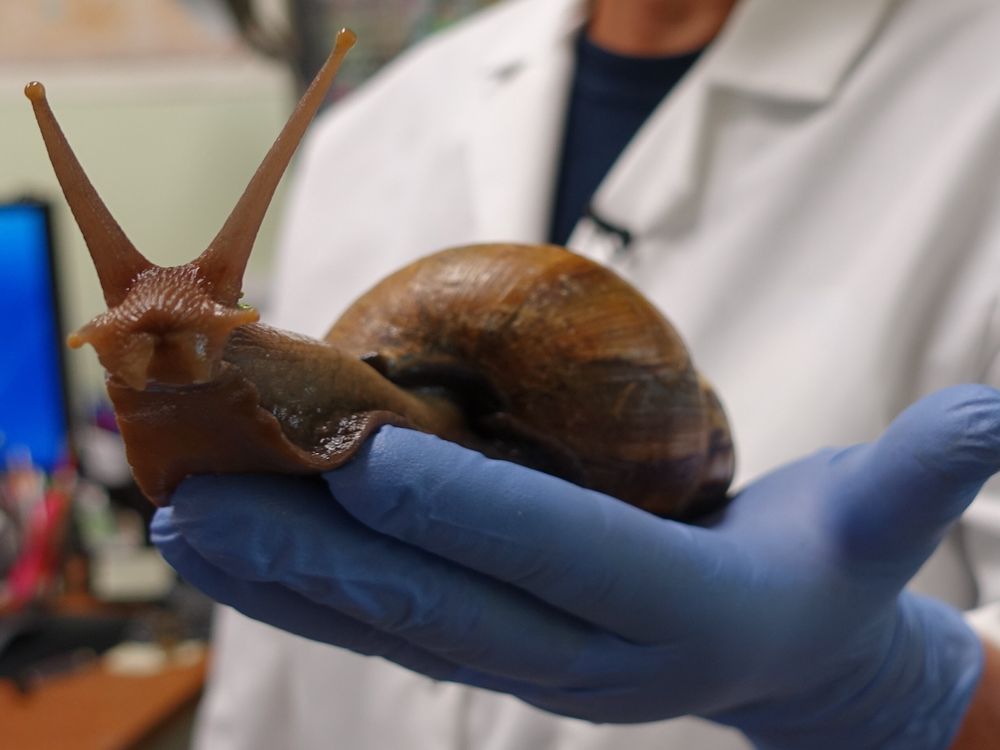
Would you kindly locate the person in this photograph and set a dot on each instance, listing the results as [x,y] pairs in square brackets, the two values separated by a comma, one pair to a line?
[813,206]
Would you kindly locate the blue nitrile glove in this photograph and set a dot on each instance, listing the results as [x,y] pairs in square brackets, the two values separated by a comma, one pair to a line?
[783,618]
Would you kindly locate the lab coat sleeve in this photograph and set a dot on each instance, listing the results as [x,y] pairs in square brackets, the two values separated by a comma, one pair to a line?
[981,539]
[250,668]
[962,344]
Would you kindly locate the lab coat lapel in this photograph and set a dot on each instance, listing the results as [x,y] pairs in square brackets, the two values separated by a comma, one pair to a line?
[514,133]
[767,50]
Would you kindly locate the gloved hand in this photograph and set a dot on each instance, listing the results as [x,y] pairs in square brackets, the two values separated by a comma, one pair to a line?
[782,617]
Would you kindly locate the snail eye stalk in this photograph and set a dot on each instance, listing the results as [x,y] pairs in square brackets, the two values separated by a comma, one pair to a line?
[171,325]
[225,260]
[116,259]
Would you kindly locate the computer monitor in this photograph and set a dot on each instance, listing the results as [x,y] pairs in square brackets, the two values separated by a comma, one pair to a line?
[33,413]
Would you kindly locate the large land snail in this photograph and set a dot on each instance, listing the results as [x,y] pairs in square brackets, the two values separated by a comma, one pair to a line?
[526,353]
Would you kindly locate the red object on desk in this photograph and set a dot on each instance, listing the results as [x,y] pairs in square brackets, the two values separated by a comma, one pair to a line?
[38,564]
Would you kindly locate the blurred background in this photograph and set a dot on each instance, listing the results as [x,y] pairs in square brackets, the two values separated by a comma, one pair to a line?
[169,105]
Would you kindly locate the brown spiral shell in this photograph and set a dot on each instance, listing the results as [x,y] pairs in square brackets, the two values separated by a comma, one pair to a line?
[559,364]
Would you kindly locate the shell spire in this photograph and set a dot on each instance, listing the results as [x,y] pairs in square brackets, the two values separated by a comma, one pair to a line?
[225,260]
[116,259]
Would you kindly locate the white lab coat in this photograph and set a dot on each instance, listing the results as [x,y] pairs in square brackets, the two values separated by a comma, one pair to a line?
[816,207]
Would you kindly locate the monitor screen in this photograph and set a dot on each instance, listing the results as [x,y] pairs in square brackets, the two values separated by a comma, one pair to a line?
[33,418]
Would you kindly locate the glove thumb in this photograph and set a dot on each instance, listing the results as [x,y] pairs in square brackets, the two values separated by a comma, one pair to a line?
[896,497]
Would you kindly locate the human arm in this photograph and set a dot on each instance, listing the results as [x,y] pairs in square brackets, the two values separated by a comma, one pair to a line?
[981,726]
[784,617]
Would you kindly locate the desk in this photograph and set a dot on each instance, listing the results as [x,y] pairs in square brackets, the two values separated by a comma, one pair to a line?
[97,710]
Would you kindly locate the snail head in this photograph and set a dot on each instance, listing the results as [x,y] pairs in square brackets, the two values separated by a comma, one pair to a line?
[170,325]
[167,329]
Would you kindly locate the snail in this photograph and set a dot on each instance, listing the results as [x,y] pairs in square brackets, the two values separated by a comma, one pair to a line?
[527,353]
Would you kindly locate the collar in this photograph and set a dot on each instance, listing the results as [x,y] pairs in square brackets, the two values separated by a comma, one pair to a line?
[780,49]
[799,50]
[536,29]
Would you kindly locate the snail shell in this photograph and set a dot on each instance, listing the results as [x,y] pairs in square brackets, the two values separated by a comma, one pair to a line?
[527,353]
[558,363]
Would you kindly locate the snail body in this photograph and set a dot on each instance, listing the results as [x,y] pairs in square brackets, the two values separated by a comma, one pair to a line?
[526,353]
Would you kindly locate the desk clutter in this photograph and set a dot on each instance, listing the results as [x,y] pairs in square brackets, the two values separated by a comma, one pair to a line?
[101,646]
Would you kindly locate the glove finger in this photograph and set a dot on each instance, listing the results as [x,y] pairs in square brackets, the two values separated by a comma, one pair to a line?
[285,609]
[896,497]
[585,553]
[290,532]
[276,605]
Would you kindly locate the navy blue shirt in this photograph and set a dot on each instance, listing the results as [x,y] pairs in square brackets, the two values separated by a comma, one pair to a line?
[612,96]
